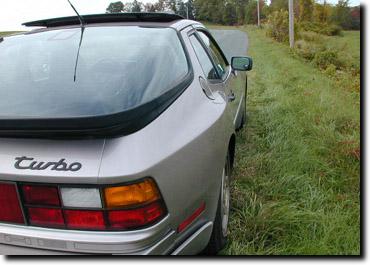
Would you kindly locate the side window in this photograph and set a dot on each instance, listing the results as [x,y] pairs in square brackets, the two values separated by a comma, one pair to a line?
[215,53]
[203,59]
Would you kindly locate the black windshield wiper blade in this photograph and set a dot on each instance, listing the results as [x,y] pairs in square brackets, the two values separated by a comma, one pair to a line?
[78,52]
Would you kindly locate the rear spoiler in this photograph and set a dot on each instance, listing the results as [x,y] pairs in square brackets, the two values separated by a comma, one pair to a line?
[105,18]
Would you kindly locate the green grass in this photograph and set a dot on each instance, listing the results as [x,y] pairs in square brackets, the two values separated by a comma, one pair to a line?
[297,179]
[348,43]
[6,33]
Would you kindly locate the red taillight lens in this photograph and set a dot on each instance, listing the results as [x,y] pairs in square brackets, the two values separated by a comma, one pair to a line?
[76,219]
[41,195]
[10,209]
[83,208]
[46,217]
[125,219]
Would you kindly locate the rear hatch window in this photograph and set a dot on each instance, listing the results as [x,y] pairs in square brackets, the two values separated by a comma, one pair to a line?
[118,69]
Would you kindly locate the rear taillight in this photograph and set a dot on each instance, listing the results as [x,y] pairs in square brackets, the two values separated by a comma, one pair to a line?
[121,207]
[127,219]
[134,194]
[40,195]
[45,217]
[84,219]
[10,209]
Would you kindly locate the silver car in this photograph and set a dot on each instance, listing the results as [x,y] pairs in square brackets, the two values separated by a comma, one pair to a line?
[117,136]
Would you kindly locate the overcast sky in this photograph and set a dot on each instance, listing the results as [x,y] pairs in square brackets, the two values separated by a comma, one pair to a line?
[14,12]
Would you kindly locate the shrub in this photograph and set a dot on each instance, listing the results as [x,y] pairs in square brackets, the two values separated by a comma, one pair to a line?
[331,30]
[311,36]
[278,25]
[325,58]
[331,70]
[307,50]
[321,28]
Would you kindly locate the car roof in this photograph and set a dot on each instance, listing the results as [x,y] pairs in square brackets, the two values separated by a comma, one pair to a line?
[154,19]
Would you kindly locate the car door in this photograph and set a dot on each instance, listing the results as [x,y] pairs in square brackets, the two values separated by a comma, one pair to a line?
[232,84]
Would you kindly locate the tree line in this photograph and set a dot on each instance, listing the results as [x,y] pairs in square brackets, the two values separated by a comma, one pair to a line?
[239,12]
[183,8]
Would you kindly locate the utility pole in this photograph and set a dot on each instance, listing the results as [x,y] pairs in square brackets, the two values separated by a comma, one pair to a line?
[291,24]
[258,13]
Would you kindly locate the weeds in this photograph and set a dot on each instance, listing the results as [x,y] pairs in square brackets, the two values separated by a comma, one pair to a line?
[296,179]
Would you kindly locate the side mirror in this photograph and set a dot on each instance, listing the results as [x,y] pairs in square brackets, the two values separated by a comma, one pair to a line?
[242,63]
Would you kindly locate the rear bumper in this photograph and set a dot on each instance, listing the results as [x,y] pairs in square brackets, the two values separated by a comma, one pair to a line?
[12,243]
[159,248]
[128,242]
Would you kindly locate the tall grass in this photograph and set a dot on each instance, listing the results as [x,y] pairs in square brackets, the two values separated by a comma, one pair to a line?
[297,180]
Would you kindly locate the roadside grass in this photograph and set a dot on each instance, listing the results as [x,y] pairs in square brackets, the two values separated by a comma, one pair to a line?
[296,188]
[349,43]
[6,33]
[337,56]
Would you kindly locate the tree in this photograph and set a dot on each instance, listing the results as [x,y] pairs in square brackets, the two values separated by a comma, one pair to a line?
[160,6]
[190,5]
[342,16]
[277,5]
[116,7]
[240,9]
[229,15]
[250,16]
[250,12]
[321,12]
[148,7]
[181,9]
[305,10]
[278,25]
[210,10]
[171,5]
[136,6]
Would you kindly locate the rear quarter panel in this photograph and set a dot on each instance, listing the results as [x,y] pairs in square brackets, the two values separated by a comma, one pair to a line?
[184,149]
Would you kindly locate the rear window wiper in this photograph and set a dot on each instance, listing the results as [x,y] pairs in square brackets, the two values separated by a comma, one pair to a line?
[82,35]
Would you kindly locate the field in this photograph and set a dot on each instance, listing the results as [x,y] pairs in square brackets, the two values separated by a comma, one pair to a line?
[296,188]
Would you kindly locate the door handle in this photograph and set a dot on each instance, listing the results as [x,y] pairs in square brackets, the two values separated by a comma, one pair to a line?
[231,97]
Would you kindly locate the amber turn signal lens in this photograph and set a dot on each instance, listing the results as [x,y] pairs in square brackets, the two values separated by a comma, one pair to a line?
[139,193]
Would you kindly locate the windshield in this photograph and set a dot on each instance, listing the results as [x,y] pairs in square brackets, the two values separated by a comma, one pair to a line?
[119,68]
